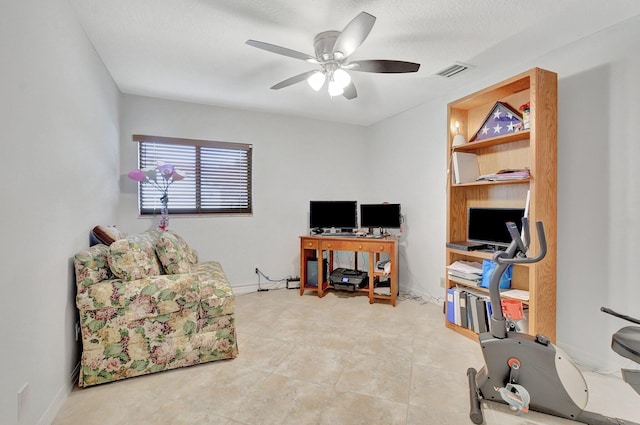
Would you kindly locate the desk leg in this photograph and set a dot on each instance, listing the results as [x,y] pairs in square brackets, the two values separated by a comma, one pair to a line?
[305,254]
[371,276]
[394,275]
[320,272]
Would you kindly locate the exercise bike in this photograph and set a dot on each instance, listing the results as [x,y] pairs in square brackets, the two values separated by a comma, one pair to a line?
[530,373]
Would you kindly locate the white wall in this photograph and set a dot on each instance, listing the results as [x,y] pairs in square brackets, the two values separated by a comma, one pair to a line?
[59,150]
[295,160]
[598,196]
[411,155]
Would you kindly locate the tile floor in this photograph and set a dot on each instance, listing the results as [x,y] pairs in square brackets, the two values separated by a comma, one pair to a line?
[336,360]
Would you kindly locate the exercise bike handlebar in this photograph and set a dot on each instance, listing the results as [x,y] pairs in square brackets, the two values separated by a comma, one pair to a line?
[514,254]
[621,316]
[500,257]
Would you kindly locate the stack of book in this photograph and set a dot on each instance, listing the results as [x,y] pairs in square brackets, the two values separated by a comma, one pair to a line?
[510,174]
[467,272]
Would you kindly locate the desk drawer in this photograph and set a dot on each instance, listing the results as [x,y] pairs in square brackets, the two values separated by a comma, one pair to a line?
[356,245]
[381,247]
[309,244]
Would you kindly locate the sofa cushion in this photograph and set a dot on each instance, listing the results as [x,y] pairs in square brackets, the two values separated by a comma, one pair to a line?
[91,266]
[107,234]
[175,254]
[134,257]
[142,298]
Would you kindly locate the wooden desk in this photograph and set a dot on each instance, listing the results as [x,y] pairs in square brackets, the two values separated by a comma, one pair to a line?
[312,247]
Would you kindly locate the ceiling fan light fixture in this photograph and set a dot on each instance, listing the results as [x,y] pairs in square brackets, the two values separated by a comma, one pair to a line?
[316,80]
[341,78]
[335,89]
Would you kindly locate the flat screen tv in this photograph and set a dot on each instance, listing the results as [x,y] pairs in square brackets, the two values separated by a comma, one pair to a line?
[487,225]
[385,216]
[328,214]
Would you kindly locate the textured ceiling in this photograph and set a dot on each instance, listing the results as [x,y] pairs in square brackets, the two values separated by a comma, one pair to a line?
[195,51]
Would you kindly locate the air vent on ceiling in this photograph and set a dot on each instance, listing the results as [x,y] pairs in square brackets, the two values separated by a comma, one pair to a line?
[454,69]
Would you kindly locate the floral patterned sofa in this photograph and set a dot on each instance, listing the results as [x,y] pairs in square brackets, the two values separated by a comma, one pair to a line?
[146,305]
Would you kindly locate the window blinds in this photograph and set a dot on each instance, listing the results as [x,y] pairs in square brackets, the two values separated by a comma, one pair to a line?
[218,176]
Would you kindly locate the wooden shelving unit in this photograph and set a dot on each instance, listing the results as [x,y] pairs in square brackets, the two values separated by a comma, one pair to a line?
[536,149]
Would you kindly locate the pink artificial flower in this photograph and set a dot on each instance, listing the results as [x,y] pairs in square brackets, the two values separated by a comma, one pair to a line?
[178,175]
[151,173]
[136,175]
[166,170]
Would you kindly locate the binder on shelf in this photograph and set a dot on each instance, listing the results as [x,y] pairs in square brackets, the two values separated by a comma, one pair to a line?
[456,307]
[487,304]
[450,316]
[465,167]
[464,322]
[472,301]
[482,315]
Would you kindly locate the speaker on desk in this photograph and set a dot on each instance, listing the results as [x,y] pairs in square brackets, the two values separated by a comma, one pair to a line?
[312,271]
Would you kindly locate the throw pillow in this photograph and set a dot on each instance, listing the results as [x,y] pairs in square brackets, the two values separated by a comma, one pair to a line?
[107,234]
[175,254]
[134,257]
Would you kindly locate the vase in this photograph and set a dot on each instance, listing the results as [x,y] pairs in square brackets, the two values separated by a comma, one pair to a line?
[164,213]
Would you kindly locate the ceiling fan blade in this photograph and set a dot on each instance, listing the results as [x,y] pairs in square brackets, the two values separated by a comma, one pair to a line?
[383,66]
[281,50]
[353,34]
[293,80]
[350,91]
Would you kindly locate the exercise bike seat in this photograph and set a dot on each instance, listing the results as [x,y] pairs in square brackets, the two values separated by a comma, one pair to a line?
[626,342]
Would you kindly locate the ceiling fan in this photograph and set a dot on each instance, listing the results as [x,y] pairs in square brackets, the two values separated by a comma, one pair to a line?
[333,49]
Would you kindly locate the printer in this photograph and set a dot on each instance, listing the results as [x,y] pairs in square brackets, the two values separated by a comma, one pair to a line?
[348,279]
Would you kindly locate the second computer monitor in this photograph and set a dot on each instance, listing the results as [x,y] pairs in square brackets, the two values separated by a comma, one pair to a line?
[386,216]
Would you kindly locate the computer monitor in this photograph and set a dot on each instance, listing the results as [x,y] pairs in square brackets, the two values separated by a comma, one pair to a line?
[328,214]
[386,216]
[488,225]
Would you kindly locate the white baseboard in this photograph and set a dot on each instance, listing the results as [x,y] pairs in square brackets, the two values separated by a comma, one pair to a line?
[253,287]
[244,289]
[50,414]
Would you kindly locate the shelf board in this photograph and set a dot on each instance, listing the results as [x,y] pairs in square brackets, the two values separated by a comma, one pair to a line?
[492,183]
[464,331]
[480,254]
[476,254]
[495,92]
[485,290]
[493,141]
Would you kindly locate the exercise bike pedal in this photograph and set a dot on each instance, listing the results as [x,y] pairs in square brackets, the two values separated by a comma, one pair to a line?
[516,396]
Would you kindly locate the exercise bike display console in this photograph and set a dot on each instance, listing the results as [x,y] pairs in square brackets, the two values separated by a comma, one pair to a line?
[527,372]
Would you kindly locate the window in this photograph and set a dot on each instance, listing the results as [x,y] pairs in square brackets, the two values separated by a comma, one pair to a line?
[218,175]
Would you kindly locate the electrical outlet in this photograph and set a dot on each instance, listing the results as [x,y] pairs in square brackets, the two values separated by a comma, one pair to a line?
[23,403]
[256,270]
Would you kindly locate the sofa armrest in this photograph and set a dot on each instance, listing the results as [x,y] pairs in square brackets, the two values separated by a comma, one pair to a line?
[216,294]
[91,266]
